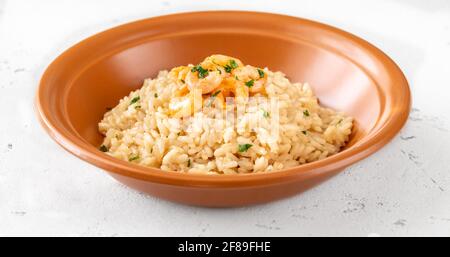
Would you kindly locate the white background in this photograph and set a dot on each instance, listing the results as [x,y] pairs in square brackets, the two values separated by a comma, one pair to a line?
[404,189]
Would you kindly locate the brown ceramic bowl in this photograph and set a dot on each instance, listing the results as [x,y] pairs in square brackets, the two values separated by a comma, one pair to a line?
[346,72]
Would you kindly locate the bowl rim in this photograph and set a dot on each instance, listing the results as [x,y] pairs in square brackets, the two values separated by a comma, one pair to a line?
[357,152]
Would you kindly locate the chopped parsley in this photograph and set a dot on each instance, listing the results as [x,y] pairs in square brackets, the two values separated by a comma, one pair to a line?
[266,114]
[189,163]
[236,77]
[232,64]
[250,83]
[155,95]
[244,147]
[213,96]
[183,81]
[304,132]
[216,93]
[220,72]
[261,73]
[103,148]
[134,100]
[306,113]
[339,122]
[133,158]
[137,107]
[202,73]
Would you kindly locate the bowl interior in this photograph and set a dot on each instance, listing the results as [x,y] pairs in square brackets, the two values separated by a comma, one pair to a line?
[337,82]
[346,73]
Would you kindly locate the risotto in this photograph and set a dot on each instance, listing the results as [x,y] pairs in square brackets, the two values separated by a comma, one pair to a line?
[222,117]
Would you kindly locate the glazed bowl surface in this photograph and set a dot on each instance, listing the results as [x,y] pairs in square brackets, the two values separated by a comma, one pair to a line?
[345,72]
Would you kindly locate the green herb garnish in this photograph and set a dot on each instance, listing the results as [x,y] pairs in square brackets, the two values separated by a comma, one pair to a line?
[244,147]
[212,97]
[137,107]
[304,132]
[133,158]
[134,100]
[266,114]
[232,64]
[261,73]
[189,163]
[220,72]
[155,95]
[183,81]
[216,93]
[306,113]
[236,77]
[202,73]
[250,83]
[103,148]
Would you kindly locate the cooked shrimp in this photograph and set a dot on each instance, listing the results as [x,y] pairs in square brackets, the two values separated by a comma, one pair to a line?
[241,93]
[217,99]
[231,87]
[178,74]
[254,78]
[186,105]
[228,87]
[206,80]
[182,90]
[214,79]
[219,60]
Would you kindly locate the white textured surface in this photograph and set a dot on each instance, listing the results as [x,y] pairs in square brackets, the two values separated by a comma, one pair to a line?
[404,189]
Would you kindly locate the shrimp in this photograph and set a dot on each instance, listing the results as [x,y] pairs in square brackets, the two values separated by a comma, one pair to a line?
[215,78]
[182,90]
[254,78]
[231,87]
[206,80]
[241,93]
[178,74]
[222,62]
[187,105]
[217,99]
[210,72]
[228,87]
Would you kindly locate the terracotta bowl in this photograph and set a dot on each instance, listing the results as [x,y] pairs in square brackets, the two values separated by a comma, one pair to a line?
[346,72]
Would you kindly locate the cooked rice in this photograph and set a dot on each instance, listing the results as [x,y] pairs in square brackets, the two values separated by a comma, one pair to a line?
[140,129]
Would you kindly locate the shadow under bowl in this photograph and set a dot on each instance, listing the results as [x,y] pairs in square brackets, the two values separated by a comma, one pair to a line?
[346,73]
